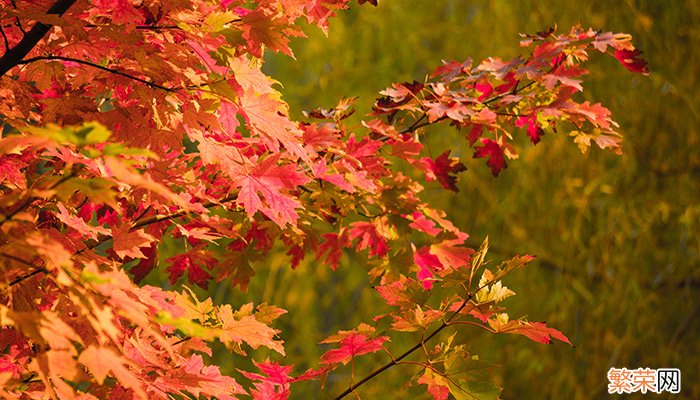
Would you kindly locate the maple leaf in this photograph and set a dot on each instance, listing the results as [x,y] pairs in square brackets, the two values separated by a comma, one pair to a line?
[451,254]
[428,265]
[227,117]
[267,116]
[79,224]
[246,329]
[193,377]
[128,243]
[493,151]
[632,60]
[404,293]
[415,319]
[53,252]
[260,29]
[274,381]
[495,293]
[438,386]
[475,133]
[320,170]
[618,41]
[370,237]
[11,171]
[443,169]
[332,247]
[353,343]
[420,223]
[536,331]
[101,361]
[534,130]
[269,179]
[485,89]
[191,262]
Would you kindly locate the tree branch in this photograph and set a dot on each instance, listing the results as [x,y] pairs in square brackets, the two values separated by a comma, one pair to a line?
[408,352]
[140,224]
[98,66]
[13,56]
[30,200]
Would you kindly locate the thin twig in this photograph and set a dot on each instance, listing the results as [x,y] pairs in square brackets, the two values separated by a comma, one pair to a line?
[17,21]
[408,352]
[30,200]
[4,38]
[415,127]
[100,67]
[415,123]
[26,276]
[140,27]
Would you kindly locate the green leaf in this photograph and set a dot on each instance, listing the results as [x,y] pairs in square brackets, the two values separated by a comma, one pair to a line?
[465,390]
[88,133]
[98,190]
[186,326]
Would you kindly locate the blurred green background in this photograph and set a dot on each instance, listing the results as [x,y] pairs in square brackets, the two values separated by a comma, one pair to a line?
[616,237]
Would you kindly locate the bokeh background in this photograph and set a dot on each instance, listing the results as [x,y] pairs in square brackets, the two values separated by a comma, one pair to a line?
[616,236]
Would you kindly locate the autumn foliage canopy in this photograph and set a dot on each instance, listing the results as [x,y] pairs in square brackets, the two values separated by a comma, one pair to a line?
[125,123]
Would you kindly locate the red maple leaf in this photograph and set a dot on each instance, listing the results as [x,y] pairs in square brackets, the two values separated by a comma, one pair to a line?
[423,224]
[428,264]
[332,247]
[145,265]
[451,254]
[493,151]
[443,169]
[485,89]
[369,238]
[270,180]
[632,60]
[274,381]
[537,331]
[534,130]
[191,262]
[352,343]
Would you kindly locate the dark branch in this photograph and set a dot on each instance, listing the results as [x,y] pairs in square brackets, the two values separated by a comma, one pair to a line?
[27,276]
[13,56]
[17,210]
[416,125]
[98,66]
